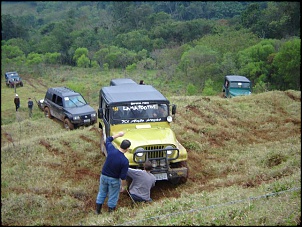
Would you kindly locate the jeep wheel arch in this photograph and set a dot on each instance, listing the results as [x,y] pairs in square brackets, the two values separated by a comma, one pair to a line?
[68,125]
[183,180]
[47,112]
[180,180]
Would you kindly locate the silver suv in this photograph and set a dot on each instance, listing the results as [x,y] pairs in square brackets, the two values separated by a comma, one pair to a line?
[68,106]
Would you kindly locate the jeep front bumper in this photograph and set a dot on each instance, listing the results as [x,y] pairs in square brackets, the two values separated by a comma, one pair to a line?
[171,174]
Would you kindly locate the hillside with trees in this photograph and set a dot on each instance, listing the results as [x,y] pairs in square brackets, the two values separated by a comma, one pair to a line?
[193,43]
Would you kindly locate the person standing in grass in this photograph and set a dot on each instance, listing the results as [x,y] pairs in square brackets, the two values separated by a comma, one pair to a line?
[30,104]
[114,170]
[17,102]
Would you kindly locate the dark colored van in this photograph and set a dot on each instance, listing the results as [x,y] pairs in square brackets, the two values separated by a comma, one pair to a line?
[68,106]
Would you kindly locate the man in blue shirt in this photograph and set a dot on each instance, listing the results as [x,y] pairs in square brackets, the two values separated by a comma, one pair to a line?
[30,104]
[114,170]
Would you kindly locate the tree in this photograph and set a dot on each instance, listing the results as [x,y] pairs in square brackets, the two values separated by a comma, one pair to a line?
[200,63]
[79,52]
[287,63]
[254,62]
[83,61]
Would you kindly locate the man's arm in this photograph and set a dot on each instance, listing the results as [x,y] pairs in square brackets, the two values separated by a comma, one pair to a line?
[111,138]
[120,134]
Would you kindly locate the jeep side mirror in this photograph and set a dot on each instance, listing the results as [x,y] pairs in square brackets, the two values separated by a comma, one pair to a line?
[100,113]
[173,109]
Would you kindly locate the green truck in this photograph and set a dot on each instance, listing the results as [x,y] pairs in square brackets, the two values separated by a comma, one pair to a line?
[235,85]
[134,109]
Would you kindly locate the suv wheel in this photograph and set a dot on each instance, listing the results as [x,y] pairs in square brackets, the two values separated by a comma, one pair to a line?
[68,125]
[47,112]
[21,84]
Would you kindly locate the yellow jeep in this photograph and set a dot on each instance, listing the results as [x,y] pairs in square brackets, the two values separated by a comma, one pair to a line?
[134,109]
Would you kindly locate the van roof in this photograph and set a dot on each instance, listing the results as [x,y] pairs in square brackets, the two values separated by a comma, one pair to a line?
[237,78]
[63,91]
[131,93]
[121,81]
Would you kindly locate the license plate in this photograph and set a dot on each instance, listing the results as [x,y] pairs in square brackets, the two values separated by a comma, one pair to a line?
[86,120]
[161,176]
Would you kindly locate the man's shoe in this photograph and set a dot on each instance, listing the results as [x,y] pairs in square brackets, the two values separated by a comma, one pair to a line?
[98,208]
[111,209]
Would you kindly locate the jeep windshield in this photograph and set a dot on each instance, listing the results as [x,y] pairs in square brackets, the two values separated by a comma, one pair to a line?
[74,101]
[14,78]
[239,85]
[139,113]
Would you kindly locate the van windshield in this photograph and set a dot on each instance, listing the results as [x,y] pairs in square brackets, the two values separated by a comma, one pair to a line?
[240,85]
[74,101]
[140,112]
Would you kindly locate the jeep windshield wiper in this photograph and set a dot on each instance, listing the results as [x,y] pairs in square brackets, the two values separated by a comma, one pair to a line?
[81,101]
[73,102]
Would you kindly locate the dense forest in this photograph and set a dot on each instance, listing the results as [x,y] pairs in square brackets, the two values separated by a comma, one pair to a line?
[198,42]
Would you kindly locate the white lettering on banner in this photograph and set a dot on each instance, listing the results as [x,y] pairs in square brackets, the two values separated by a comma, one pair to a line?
[137,121]
[140,120]
[153,120]
[139,107]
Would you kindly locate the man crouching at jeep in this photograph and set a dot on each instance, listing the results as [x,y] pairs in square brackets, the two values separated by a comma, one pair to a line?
[142,182]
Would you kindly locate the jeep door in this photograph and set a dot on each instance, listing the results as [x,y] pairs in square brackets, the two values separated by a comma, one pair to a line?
[57,107]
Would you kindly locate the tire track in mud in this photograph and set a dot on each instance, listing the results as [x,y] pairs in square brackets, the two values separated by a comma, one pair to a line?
[70,170]
[31,83]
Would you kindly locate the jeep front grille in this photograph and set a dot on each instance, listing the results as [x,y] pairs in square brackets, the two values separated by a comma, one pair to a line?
[155,153]
[84,117]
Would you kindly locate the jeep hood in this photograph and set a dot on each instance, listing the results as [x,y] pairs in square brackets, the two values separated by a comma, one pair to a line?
[147,134]
[238,92]
[86,109]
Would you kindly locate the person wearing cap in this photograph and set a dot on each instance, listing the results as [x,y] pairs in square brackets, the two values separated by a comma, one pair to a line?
[17,102]
[30,104]
[114,171]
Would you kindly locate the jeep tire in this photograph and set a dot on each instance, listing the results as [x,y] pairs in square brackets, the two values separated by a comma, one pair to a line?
[68,125]
[47,112]
[183,180]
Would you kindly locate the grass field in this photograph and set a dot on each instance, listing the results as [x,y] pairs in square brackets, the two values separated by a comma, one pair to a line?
[244,159]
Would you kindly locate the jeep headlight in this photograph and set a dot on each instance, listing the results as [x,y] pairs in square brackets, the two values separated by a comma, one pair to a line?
[93,115]
[76,118]
[169,151]
[138,153]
